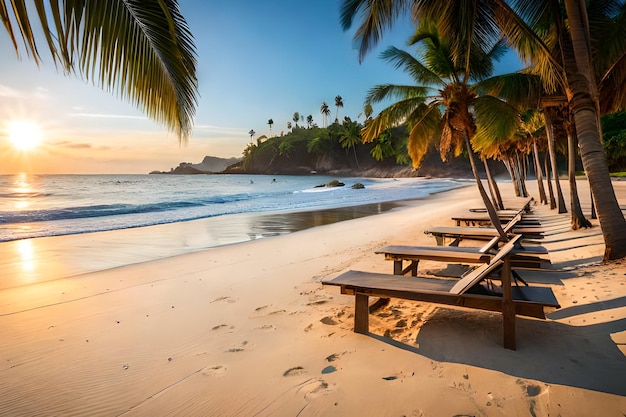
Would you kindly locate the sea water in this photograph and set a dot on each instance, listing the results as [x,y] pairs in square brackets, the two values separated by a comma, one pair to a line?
[33,206]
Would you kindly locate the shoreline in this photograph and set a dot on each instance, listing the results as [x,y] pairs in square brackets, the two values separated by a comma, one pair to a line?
[247,329]
[34,260]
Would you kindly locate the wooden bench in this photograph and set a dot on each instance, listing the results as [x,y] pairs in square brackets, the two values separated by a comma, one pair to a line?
[468,292]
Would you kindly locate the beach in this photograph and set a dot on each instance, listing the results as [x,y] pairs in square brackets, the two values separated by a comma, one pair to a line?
[247,329]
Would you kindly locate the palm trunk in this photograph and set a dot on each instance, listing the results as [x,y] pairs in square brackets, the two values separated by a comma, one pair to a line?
[550,189]
[555,171]
[511,168]
[521,175]
[493,215]
[493,187]
[539,174]
[594,215]
[591,150]
[578,218]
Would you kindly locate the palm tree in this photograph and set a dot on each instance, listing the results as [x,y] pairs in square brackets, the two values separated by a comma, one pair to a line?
[491,18]
[533,128]
[144,50]
[270,122]
[325,113]
[251,133]
[446,71]
[350,136]
[296,118]
[338,104]
[309,120]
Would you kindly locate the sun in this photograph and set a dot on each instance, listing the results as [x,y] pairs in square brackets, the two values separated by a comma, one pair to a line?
[24,135]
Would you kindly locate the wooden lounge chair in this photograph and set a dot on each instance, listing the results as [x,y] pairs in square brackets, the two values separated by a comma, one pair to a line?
[522,256]
[481,233]
[467,292]
[479,217]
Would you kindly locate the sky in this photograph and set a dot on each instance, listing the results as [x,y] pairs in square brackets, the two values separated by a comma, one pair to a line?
[256,61]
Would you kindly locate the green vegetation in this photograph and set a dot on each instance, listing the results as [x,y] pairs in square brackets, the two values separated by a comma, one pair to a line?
[614,138]
[313,148]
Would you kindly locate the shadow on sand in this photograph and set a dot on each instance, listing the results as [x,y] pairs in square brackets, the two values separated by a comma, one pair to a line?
[556,353]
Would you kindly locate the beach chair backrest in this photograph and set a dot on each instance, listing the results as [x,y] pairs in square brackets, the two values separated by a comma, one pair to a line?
[484,270]
[512,222]
[493,243]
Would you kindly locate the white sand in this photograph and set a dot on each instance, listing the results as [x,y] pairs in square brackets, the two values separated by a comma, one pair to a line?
[248,330]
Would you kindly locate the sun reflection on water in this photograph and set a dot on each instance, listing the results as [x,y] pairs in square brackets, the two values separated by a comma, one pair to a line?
[27,254]
[22,191]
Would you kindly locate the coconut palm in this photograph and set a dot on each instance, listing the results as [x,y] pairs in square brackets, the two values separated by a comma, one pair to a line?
[270,122]
[447,76]
[533,129]
[309,120]
[296,118]
[516,19]
[350,136]
[325,113]
[143,50]
[338,104]
[251,133]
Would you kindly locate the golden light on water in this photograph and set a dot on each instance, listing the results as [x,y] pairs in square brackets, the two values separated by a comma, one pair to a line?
[27,254]
[22,187]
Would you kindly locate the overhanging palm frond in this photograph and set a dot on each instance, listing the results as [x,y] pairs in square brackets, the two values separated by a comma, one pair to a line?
[496,121]
[391,91]
[520,89]
[378,16]
[425,125]
[402,59]
[392,116]
[143,50]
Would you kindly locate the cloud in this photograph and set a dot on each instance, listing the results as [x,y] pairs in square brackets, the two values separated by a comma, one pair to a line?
[72,145]
[108,116]
[8,92]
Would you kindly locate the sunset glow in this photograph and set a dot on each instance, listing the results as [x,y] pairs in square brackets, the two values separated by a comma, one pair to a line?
[24,135]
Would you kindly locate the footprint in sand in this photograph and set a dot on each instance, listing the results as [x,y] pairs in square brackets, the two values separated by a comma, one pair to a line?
[296,370]
[329,320]
[238,349]
[225,298]
[221,326]
[316,388]
[216,370]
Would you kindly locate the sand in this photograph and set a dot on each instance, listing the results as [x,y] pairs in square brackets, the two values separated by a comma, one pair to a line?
[248,330]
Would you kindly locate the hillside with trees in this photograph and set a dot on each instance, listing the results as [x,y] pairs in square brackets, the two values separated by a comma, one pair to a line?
[339,150]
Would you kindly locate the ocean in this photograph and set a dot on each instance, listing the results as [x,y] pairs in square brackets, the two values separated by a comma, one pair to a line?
[34,206]
[119,220]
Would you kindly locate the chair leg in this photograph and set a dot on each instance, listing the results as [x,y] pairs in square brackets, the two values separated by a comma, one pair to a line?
[361,313]
[508,306]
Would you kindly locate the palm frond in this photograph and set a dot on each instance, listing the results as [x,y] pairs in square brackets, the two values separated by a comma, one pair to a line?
[392,91]
[496,122]
[392,116]
[418,71]
[425,127]
[520,89]
[377,17]
[143,50]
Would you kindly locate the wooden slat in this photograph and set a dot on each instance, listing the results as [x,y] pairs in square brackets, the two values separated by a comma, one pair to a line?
[434,253]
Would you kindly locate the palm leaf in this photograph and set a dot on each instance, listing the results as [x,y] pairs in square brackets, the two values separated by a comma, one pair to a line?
[520,89]
[496,122]
[142,50]
[425,127]
[418,71]
[378,16]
